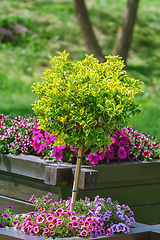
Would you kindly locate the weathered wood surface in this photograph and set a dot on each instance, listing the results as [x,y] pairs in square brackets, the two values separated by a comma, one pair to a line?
[144,232]
[128,173]
[18,206]
[51,173]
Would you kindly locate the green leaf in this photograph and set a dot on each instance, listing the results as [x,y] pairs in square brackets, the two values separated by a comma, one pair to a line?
[101,150]
[87,132]
[69,127]
[90,138]
[106,134]
[99,130]
[100,106]
[101,120]
[94,150]
[88,143]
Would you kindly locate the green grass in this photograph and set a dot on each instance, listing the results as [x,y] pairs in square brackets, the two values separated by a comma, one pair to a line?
[53,28]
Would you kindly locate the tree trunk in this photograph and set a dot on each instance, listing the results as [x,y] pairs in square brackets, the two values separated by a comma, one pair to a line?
[76,178]
[86,29]
[124,34]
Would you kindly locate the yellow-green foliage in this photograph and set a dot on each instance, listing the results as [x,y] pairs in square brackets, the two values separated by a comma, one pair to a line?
[81,101]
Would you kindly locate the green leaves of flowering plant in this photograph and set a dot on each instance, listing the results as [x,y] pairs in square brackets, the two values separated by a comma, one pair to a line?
[80,101]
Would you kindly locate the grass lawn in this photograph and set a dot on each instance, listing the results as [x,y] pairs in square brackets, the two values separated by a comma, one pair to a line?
[52,27]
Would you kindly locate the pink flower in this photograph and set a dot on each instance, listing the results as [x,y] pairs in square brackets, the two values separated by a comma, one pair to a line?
[36,229]
[83,233]
[40,219]
[50,218]
[74,218]
[70,224]
[51,225]
[52,233]
[46,230]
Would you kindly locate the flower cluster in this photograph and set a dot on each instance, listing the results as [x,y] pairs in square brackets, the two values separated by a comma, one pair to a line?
[143,146]
[90,218]
[126,145]
[24,135]
[15,134]
[6,219]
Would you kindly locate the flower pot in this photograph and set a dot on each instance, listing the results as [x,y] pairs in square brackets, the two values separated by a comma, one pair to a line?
[138,232]
[134,183]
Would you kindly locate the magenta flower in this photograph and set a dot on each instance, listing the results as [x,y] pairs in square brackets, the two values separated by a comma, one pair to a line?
[46,230]
[40,219]
[36,229]
[57,153]
[52,233]
[73,218]
[75,224]
[70,224]
[110,152]
[50,218]
[83,233]
[93,158]
[109,231]
[51,225]
[122,154]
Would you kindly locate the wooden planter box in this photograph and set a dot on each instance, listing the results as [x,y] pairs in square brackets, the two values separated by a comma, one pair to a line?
[138,232]
[136,184]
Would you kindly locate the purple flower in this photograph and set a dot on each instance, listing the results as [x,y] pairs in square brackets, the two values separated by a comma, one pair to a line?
[121,227]
[2,224]
[126,229]
[122,154]
[93,158]
[114,228]
[108,199]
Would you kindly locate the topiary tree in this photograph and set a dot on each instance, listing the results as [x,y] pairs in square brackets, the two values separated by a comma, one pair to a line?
[80,102]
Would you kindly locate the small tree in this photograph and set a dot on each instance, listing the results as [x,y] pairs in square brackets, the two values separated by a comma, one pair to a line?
[81,101]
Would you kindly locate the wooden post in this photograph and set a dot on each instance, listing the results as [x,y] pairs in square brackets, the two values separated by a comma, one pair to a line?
[76,178]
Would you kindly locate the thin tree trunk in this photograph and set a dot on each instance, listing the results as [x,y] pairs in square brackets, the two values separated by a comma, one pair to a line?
[124,34]
[86,29]
[76,178]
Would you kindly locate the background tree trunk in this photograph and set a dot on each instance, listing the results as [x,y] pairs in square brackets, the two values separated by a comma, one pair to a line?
[86,29]
[124,34]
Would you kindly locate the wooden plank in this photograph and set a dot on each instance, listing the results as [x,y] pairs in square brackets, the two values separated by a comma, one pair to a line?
[61,175]
[26,165]
[131,195]
[149,214]
[12,234]
[58,175]
[128,173]
[88,178]
[23,188]
[18,206]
